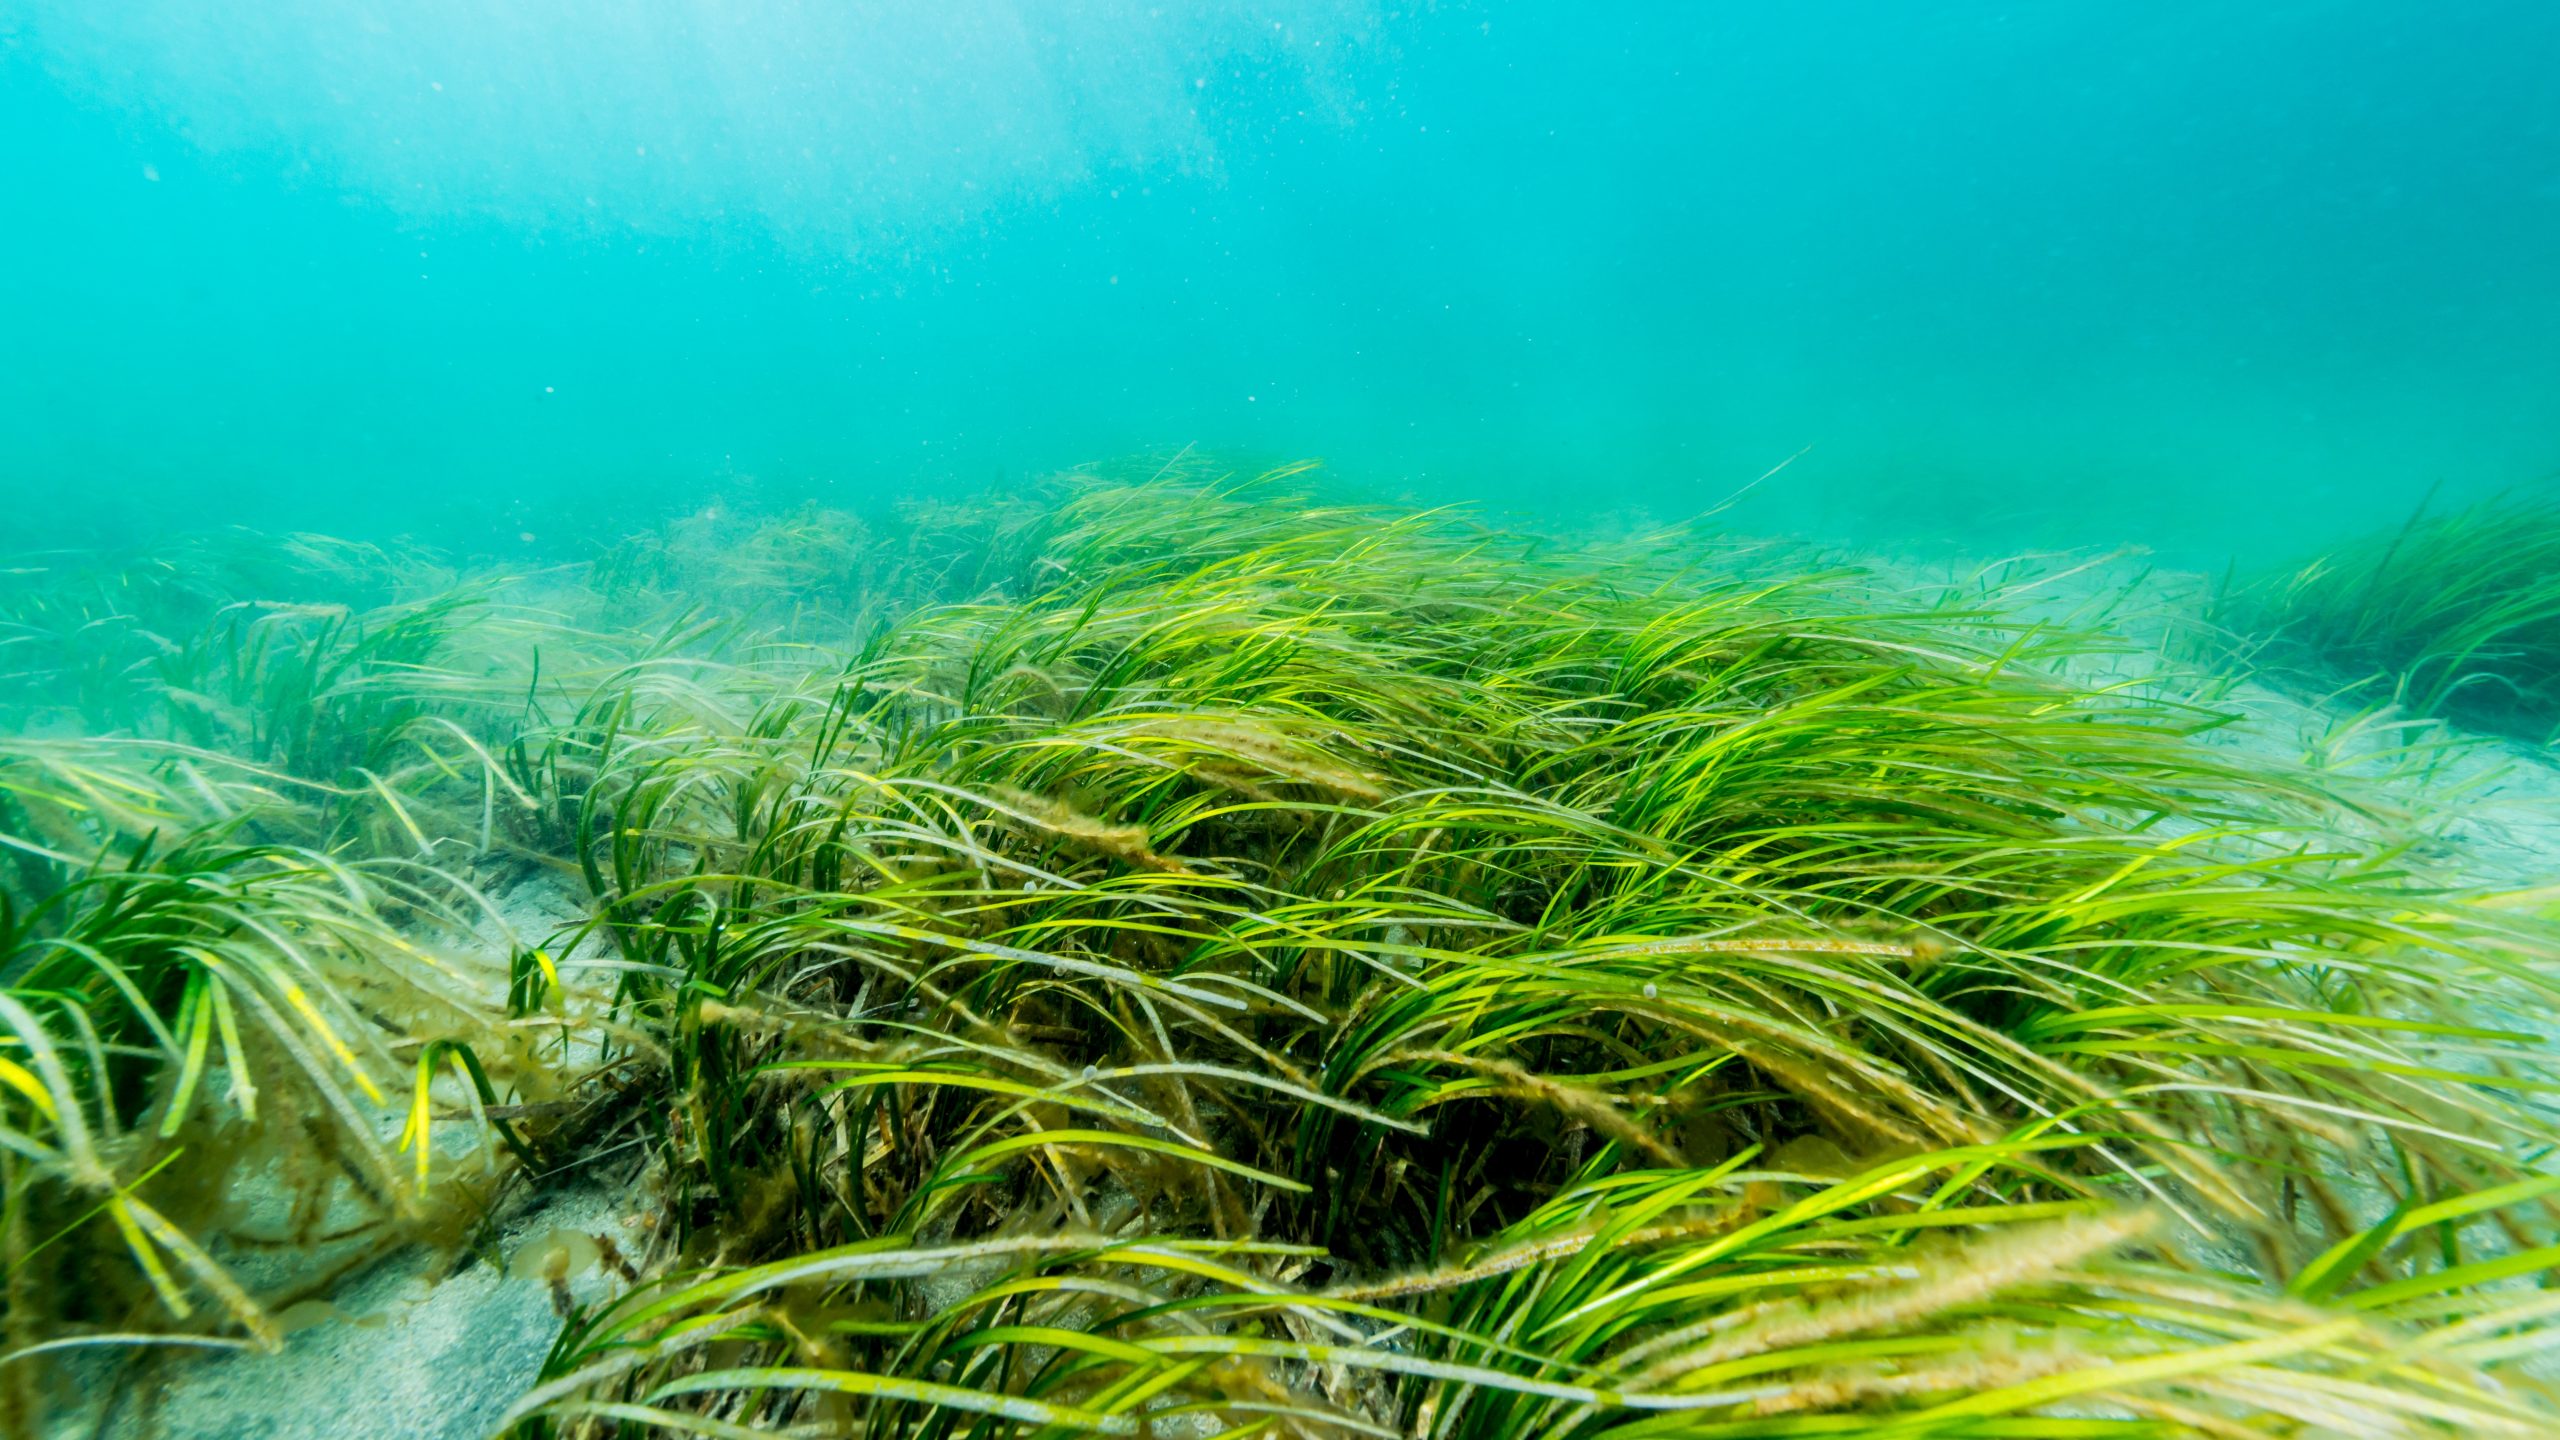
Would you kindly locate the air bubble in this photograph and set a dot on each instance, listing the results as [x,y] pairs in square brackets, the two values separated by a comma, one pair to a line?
[1649,991]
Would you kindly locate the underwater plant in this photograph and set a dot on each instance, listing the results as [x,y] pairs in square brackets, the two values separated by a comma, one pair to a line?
[182,1017]
[2454,615]
[1182,957]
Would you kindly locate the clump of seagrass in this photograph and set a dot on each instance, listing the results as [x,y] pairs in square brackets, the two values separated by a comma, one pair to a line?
[2454,615]
[188,1013]
[1473,930]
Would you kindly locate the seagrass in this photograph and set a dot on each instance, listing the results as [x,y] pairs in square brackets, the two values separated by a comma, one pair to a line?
[1183,956]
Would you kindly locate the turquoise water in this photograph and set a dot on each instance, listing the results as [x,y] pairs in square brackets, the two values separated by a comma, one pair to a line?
[2197,275]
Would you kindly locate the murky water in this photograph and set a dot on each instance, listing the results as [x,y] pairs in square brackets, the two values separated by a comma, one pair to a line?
[2188,274]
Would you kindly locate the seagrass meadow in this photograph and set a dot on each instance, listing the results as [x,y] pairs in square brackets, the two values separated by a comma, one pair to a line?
[1172,954]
